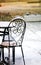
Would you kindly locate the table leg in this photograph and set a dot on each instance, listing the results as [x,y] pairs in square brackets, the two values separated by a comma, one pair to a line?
[13,54]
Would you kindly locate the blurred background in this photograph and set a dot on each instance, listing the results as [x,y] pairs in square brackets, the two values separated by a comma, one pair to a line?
[31,12]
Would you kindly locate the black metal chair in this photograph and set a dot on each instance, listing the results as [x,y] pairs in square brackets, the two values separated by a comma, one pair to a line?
[13,37]
[17,33]
[3,33]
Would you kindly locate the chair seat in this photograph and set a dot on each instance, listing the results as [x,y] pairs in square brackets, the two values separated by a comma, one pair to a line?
[7,44]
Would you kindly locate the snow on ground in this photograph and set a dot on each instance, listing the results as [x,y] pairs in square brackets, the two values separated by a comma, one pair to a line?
[31,45]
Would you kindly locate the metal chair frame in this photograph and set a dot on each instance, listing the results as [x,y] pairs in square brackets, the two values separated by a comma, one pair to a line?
[18,23]
[3,33]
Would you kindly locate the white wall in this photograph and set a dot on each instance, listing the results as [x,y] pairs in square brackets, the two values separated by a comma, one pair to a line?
[32,17]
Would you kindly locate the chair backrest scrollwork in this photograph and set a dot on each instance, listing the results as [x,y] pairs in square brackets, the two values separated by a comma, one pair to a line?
[18,29]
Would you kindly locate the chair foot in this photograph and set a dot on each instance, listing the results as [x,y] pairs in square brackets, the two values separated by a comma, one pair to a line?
[23,55]
[3,62]
[0,56]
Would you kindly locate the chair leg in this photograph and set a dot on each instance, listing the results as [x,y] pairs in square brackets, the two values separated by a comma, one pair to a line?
[13,54]
[0,55]
[23,55]
[3,54]
[8,56]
